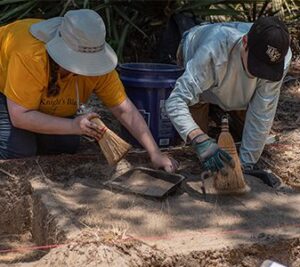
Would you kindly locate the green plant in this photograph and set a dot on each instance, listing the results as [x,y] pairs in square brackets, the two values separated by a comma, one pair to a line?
[252,10]
[136,24]
[15,9]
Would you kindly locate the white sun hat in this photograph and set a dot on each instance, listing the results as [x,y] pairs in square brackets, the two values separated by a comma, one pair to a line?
[76,42]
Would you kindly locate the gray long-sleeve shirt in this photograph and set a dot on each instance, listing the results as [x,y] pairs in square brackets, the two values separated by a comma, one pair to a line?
[214,74]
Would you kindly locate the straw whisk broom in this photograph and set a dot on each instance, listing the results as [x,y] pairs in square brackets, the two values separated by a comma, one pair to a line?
[234,182]
[113,147]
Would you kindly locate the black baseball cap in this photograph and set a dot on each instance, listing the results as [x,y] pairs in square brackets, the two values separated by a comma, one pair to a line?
[268,44]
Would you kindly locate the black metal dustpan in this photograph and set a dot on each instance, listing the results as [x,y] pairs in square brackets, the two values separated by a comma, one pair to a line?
[147,182]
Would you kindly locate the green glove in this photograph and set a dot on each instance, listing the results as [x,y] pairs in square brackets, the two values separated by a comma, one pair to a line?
[210,155]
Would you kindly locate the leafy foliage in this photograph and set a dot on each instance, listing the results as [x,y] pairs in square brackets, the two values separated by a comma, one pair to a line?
[141,20]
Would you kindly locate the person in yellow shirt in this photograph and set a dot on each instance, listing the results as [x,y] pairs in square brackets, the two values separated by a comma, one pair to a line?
[48,68]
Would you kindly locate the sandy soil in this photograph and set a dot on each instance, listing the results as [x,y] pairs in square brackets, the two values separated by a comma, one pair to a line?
[283,156]
[106,227]
[92,248]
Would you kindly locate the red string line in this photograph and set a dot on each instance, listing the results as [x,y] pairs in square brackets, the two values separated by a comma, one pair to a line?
[32,248]
[149,238]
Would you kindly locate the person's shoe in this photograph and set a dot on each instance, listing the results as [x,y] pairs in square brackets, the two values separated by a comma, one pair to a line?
[266,176]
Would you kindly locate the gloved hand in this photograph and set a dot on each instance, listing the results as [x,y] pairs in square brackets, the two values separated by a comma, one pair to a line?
[210,155]
[266,176]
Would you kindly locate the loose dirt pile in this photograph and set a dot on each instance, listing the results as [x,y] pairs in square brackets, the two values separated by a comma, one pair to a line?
[98,248]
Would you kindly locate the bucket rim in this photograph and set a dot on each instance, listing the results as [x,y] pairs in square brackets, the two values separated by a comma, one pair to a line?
[145,67]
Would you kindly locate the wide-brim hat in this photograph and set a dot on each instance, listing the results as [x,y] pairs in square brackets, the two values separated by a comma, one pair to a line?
[77,43]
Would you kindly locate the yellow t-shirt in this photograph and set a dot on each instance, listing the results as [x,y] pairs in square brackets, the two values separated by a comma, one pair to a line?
[24,75]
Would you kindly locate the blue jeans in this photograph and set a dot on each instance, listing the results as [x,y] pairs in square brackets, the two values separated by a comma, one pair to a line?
[19,143]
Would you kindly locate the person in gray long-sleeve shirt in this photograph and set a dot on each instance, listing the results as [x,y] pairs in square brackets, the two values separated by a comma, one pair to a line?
[237,66]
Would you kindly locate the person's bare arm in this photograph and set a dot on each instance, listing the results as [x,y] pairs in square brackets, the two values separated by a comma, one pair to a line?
[131,118]
[38,122]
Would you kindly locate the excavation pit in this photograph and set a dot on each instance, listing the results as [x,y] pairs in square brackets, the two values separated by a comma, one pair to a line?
[63,201]
[25,223]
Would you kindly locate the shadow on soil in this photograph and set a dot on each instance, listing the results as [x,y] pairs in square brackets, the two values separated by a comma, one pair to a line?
[75,183]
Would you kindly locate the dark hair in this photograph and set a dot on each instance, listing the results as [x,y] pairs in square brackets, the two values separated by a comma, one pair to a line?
[53,88]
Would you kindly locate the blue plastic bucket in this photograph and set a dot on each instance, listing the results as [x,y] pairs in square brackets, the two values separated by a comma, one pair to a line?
[148,85]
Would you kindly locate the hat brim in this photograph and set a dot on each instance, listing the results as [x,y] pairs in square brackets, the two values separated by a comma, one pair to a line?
[87,64]
[265,71]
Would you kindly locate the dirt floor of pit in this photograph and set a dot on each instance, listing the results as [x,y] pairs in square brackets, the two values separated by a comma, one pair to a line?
[183,224]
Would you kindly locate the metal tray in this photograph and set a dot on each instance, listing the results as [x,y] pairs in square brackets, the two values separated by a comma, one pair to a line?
[147,182]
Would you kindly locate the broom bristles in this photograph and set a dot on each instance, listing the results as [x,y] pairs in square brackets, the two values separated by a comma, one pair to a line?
[234,182]
[113,147]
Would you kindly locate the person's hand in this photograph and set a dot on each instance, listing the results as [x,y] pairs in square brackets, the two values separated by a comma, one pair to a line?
[210,155]
[84,126]
[161,161]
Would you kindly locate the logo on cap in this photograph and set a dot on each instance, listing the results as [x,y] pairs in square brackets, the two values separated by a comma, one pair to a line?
[273,53]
